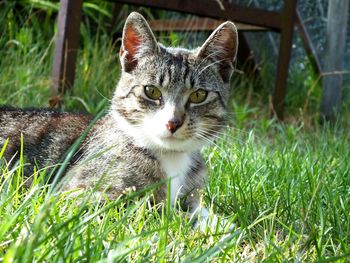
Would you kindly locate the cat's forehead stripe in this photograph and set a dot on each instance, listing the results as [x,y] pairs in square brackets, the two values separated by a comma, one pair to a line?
[169,74]
[179,70]
[185,74]
[161,79]
[192,80]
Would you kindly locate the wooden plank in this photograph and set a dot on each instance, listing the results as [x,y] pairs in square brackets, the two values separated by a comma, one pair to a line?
[66,46]
[334,58]
[212,9]
[285,50]
[196,24]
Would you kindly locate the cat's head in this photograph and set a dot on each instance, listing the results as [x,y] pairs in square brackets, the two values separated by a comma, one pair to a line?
[173,99]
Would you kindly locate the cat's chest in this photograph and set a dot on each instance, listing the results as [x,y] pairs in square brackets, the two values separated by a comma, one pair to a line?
[176,167]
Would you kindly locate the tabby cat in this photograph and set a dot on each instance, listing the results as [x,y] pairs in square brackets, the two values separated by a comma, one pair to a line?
[168,104]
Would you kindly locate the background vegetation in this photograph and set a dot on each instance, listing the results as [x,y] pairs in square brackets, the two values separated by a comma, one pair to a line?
[286,186]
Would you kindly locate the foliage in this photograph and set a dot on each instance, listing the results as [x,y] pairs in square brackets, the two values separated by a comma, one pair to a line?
[286,190]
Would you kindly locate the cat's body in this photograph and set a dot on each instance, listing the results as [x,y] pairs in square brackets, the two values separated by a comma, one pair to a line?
[168,103]
[125,164]
[47,134]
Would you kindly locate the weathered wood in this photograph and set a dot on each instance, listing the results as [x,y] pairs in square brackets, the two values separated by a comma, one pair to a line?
[196,24]
[285,50]
[66,46]
[334,58]
[211,8]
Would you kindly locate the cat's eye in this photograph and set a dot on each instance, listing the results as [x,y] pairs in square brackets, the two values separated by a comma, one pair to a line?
[198,96]
[152,92]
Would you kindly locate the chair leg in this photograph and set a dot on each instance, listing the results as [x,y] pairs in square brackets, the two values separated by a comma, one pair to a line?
[66,46]
[285,51]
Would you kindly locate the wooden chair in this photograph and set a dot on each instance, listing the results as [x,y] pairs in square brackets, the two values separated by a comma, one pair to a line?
[279,21]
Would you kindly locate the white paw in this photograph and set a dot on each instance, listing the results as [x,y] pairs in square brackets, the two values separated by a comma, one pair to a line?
[207,221]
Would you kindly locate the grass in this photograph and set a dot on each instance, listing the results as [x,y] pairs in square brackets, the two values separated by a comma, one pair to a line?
[285,185]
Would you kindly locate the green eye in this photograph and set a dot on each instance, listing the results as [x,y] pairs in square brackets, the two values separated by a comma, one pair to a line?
[152,92]
[198,96]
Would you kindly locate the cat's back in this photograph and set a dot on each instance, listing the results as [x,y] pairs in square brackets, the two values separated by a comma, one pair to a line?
[13,120]
[46,133]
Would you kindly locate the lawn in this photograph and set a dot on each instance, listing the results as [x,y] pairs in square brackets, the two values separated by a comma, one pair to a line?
[285,186]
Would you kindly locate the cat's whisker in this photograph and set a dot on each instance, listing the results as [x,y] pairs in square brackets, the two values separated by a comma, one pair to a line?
[209,65]
[210,134]
[223,126]
[226,128]
[220,135]
[103,96]
[232,145]
[215,127]
[205,59]
[204,137]
[213,55]
[228,125]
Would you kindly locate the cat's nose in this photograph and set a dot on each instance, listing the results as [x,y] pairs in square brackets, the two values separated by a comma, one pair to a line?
[174,124]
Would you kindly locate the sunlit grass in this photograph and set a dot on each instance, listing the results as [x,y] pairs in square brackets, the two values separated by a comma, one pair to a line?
[288,197]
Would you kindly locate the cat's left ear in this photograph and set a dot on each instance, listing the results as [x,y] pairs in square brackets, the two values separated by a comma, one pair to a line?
[137,41]
[221,49]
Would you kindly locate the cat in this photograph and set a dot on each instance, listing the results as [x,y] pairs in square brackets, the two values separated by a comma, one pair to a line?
[168,104]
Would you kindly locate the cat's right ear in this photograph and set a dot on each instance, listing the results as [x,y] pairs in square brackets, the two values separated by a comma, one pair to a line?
[137,41]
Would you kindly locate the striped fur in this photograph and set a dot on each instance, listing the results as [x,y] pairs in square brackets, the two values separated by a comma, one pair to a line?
[133,145]
[47,134]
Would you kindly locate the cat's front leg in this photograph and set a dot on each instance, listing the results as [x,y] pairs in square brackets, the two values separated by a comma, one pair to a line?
[203,217]
[206,220]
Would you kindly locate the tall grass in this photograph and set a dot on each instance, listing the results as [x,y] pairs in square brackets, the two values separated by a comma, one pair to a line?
[284,186]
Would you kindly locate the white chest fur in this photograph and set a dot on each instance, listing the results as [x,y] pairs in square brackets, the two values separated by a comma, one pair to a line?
[176,167]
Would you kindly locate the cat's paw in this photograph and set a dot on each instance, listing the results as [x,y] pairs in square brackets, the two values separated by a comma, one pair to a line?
[207,221]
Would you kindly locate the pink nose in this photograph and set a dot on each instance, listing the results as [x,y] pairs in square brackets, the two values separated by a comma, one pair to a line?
[173,125]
